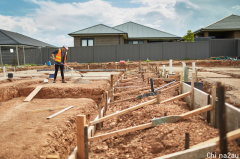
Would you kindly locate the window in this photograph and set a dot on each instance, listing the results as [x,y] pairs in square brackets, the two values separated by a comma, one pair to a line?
[87,42]
[135,42]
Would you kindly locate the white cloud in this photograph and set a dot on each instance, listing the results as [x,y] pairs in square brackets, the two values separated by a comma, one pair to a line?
[51,22]
[236,7]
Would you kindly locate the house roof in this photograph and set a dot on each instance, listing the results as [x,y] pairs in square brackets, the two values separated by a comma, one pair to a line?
[230,22]
[135,30]
[12,38]
[97,29]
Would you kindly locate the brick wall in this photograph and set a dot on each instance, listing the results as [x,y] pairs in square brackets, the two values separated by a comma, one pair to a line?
[237,34]
[100,40]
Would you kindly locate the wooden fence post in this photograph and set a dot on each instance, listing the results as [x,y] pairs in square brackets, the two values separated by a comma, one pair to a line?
[111,89]
[82,137]
[192,91]
[181,83]
[213,103]
[158,96]
[222,120]
[139,65]
[196,75]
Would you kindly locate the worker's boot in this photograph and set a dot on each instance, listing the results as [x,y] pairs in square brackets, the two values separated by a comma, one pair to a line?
[54,81]
[63,81]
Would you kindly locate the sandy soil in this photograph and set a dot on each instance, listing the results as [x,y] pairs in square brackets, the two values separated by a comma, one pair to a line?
[155,142]
[31,135]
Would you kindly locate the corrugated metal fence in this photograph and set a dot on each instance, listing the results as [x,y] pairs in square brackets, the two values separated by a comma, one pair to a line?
[132,52]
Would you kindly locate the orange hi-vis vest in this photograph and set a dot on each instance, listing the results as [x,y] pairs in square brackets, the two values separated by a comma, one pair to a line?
[59,56]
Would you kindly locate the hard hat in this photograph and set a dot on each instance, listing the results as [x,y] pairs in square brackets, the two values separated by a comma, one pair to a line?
[66,47]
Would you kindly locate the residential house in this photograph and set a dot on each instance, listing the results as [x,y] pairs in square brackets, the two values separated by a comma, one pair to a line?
[127,33]
[226,28]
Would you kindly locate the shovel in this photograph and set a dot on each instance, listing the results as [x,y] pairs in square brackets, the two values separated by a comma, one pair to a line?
[175,118]
[68,67]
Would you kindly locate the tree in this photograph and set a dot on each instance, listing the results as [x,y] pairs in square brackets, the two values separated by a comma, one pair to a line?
[189,36]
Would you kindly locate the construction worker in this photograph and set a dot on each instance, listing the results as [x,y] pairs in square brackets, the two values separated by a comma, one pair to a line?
[60,61]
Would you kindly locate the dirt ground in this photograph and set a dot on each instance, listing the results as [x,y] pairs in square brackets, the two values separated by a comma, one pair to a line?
[31,135]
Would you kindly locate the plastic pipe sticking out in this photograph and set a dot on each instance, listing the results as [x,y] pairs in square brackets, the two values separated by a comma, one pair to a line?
[170,66]
[163,69]
[71,71]
[193,67]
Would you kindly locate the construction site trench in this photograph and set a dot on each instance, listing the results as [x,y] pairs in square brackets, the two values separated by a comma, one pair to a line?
[30,135]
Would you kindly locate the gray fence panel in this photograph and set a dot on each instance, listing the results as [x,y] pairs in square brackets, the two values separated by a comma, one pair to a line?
[30,55]
[7,56]
[174,50]
[198,50]
[152,51]
[128,52]
[45,57]
[105,53]
[82,54]
[222,47]
[38,57]
[238,50]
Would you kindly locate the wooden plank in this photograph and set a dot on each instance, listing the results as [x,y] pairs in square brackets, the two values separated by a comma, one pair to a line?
[124,100]
[233,135]
[127,87]
[192,92]
[123,111]
[81,123]
[132,91]
[40,110]
[137,107]
[59,112]
[120,132]
[129,83]
[181,81]
[126,80]
[200,98]
[165,79]
[177,97]
[194,153]
[213,112]
[53,157]
[32,94]
[196,111]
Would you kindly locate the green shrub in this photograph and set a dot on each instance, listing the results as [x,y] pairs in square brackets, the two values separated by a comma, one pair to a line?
[5,64]
[30,64]
[90,62]
[186,58]
[148,60]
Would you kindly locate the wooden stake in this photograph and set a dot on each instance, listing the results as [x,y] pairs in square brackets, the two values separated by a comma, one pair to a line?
[192,91]
[196,75]
[181,83]
[158,96]
[139,65]
[88,66]
[164,73]
[222,120]
[106,102]
[81,123]
[152,89]
[99,126]
[186,141]
[213,103]
[186,71]
[111,89]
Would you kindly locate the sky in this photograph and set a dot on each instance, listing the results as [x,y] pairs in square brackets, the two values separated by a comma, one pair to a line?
[52,20]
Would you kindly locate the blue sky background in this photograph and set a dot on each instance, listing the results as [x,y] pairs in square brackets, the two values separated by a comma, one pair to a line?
[52,20]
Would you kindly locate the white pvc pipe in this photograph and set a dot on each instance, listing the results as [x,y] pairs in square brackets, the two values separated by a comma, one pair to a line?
[170,67]
[163,70]
[71,71]
[193,67]
[4,73]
